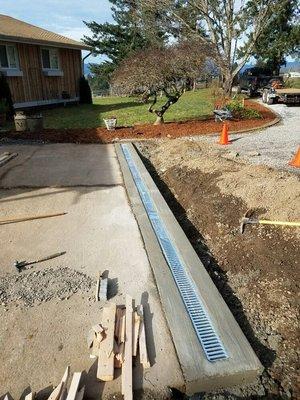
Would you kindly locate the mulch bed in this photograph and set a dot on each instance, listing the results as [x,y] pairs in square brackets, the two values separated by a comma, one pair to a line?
[137,132]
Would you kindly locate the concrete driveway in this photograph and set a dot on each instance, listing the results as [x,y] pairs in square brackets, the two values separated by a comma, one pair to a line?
[98,233]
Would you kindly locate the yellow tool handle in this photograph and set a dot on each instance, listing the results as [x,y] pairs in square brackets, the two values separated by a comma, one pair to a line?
[267,222]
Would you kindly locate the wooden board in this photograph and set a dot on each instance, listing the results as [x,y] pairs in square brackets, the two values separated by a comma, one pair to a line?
[127,366]
[64,382]
[119,356]
[121,335]
[135,331]
[80,394]
[142,341]
[30,396]
[74,386]
[56,392]
[6,157]
[105,371]
[98,288]
[103,289]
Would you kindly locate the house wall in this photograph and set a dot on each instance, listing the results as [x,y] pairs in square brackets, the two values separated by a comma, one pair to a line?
[34,86]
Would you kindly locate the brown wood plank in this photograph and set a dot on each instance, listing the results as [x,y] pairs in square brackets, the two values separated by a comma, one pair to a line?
[105,371]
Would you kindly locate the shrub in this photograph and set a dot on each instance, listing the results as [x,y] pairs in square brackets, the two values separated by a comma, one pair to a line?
[5,95]
[3,106]
[239,111]
[85,94]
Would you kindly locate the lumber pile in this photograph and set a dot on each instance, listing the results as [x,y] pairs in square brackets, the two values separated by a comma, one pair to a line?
[61,391]
[116,340]
[119,339]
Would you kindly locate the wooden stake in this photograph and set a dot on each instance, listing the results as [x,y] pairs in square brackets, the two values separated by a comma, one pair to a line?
[135,335]
[56,392]
[127,366]
[142,341]
[98,287]
[121,335]
[103,289]
[64,382]
[105,370]
[30,396]
[14,220]
[74,386]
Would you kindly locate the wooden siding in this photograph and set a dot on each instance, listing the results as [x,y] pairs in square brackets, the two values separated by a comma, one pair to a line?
[34,86]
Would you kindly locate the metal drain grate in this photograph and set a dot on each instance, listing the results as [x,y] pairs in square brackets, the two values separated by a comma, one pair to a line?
[210,342]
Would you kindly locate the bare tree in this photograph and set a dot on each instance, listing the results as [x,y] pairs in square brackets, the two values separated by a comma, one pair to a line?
[232,27]
[150,72]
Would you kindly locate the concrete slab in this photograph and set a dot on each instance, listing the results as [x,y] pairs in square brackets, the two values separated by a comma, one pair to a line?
[98,233]
[242,366]
[57,165]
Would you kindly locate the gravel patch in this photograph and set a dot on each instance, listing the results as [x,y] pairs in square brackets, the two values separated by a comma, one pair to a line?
[33,288]
[274,146]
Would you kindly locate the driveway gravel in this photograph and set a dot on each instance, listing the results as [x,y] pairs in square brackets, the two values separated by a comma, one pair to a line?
[274,146]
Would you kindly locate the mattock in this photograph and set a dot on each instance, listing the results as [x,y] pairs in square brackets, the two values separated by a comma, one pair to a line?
[248,220]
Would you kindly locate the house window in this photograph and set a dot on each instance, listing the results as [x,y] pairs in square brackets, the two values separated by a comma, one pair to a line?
[50,59]
[9,56]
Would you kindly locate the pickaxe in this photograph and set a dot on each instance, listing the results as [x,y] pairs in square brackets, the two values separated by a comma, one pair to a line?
[247,219]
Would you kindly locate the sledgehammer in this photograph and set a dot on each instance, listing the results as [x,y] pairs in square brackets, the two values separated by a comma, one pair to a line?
[248,220]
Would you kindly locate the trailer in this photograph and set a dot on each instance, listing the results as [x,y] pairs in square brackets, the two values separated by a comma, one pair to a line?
[271,95]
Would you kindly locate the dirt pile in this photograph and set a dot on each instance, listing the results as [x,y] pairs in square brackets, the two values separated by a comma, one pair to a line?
[257,273]
[33,288]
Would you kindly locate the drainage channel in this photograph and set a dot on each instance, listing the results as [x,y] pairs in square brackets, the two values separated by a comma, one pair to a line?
[208,338]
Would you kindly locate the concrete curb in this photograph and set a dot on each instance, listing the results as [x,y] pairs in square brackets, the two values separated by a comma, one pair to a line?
[242,366]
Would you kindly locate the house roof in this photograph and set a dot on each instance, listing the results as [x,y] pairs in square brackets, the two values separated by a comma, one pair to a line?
[12,29]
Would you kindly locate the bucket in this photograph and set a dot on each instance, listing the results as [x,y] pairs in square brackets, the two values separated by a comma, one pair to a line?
[35,123]
[20,121]
[110,123]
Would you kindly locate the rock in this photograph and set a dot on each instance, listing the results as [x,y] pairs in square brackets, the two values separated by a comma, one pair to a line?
[274,341]
[253,154]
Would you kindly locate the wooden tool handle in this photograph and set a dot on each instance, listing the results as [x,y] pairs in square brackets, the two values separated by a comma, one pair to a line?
[267,222]
[13,220]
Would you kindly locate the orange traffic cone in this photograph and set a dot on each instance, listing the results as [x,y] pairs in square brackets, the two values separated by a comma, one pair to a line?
[295,162]
[224,135]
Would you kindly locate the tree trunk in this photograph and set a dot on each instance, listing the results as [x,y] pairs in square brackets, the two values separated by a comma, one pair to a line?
[159,120]
[227,83]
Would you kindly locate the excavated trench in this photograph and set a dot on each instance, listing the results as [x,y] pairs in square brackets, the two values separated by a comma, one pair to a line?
[256,273]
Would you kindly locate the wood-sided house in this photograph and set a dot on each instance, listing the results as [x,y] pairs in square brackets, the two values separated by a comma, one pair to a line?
[41,67]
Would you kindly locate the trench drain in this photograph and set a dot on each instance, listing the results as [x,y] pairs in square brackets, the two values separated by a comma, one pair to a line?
[209,340]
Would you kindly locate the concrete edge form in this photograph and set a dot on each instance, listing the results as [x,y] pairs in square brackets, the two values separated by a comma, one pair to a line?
[242,366]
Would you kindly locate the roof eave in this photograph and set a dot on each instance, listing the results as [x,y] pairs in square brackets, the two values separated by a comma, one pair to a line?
[45,43]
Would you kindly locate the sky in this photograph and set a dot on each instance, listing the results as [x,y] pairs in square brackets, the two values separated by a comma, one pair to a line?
[61,16]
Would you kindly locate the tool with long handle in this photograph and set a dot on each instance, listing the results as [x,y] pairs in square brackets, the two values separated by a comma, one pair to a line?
[31,218]
[21,264]
[248,220]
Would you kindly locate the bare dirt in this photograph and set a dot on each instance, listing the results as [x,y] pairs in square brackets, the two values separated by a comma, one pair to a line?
[257,273]
[138,132]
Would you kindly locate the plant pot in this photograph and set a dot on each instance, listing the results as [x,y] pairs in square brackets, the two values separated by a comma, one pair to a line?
[20,122]
[110,123]
[35,123]
[2,119]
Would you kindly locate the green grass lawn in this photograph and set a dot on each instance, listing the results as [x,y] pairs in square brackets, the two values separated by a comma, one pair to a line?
[127,110]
